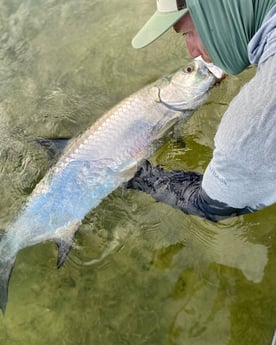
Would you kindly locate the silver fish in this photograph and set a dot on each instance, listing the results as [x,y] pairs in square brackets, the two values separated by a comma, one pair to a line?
[99,161]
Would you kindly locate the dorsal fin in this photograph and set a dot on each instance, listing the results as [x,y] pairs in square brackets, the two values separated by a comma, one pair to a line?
[53,147]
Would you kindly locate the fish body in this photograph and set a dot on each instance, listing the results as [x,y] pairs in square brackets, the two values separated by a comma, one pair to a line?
[99,161]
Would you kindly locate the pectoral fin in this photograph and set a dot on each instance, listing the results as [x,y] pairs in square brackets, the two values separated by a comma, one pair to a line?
[64,243]
[6,268]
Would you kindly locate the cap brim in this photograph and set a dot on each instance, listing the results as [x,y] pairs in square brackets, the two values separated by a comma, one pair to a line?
[156,26]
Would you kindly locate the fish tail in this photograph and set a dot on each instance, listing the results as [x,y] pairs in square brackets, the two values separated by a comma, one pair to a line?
[274,338]
[6,268]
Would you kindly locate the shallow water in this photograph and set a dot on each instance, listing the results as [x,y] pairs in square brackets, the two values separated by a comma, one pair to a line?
[140,272]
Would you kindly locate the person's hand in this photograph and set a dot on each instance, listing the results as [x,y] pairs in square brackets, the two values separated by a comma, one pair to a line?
[146,178]
[166,186]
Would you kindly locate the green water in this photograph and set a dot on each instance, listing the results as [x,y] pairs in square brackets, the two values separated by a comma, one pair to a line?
[140,272]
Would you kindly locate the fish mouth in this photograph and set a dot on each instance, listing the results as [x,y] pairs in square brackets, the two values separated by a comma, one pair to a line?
[217,72]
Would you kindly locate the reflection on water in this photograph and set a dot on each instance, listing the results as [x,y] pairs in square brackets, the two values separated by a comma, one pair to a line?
[140,272]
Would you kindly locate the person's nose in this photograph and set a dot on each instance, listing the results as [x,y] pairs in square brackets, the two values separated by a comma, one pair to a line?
[192,46]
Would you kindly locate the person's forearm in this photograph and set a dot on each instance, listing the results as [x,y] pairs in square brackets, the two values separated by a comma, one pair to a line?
[181,190]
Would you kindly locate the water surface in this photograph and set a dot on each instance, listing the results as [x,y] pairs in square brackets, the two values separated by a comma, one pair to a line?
[140,272]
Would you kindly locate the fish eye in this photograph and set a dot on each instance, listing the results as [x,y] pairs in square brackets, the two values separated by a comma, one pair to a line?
[188,69]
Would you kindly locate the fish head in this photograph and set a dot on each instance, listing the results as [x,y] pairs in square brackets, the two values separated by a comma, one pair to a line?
[187,88]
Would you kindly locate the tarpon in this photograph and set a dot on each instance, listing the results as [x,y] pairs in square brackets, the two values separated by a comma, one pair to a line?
[100,160]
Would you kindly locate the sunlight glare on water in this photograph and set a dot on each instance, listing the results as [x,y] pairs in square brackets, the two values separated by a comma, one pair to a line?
[139,272]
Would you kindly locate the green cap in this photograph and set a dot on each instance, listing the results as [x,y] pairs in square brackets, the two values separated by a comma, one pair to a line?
[167,14]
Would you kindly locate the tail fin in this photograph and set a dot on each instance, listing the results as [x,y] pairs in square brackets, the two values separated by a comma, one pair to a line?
[274,338]
[6,268]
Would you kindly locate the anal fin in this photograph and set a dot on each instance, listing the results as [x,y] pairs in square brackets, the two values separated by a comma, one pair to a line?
[64,248]
[64,243]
